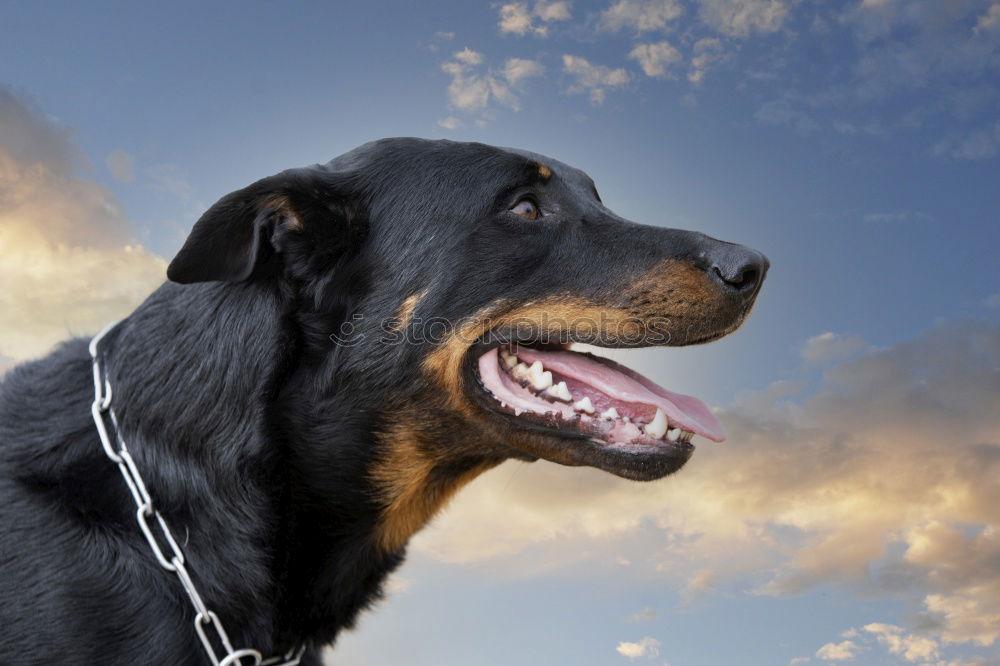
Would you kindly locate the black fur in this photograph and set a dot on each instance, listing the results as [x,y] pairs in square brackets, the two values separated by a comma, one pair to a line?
[256,432]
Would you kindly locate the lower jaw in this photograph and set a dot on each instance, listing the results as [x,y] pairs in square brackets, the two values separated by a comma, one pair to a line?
[535,436]
[637,462]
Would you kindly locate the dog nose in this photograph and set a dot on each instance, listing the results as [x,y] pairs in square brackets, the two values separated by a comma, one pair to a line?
[737,268]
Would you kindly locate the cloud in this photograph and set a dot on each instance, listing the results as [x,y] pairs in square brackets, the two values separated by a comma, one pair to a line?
[473,89]
[593,79]
[517,19]
[830,347]
[646,647]
[884,477]
[842,651]
[645,615]
[782,112]
[121,165]
[703,580]
[655,58]
[707,51]
[740,18]
[795,661]
[520,69]
[641,15]
[70,261]
[168,179]
[450,122]
[976,145]
[990,20]
[899,643]
[902,216]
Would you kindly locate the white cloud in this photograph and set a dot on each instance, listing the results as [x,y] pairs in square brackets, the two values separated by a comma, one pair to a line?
[645,615]
[646,647]
[520,69]
[556,10]
[707,52]
[641,15]
[898,217]
[782,112]
[469,57]
[655,58]
[842,651]
[740,18]
[169,179]
[795,661]
[70,262]
[516,18]
[450,122]
[593,79]
[990,20]
[121,165]
[830,347]
[473,89]
[899,643]
[978,144]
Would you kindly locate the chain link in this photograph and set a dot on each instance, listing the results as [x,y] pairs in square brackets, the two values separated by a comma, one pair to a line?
[204,619]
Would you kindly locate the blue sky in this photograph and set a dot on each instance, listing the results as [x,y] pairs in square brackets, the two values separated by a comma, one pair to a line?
[856,143]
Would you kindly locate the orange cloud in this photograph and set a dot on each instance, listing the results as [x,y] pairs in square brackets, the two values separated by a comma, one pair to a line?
[70,262]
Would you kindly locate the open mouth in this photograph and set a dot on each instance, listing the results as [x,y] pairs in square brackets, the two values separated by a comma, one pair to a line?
[622,421]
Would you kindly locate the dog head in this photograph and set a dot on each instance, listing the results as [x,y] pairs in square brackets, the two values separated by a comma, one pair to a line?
[438,287]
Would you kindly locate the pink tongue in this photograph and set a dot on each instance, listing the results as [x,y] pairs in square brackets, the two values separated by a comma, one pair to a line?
[626,385]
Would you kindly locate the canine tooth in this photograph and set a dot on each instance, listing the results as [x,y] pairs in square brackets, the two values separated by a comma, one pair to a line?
[539,377]
[673,434]
[560,391]
[584,405]
[658,426]
[609,413]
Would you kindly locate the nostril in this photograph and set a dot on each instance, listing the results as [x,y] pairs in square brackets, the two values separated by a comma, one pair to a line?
[739,277]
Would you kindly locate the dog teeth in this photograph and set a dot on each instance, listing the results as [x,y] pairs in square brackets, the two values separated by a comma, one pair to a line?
[673,434]
[560,391]
[521,371]
[658,426]
[539,378]
[509,359]
[609,413]
[584,405]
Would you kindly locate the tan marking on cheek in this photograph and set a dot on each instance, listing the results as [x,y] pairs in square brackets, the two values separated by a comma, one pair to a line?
[406,310]
[412,486]
[544,171]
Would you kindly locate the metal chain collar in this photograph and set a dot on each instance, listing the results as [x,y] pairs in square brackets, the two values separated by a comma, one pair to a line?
[204,618]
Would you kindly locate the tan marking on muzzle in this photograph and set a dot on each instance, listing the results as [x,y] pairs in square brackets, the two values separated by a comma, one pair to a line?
[671,291]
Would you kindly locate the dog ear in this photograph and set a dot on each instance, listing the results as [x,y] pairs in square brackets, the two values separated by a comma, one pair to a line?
[237,236]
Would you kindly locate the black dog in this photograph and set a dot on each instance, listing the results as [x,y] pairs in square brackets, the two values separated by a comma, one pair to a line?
[340,348]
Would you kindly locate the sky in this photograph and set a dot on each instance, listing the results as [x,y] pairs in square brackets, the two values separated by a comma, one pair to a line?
[854,514]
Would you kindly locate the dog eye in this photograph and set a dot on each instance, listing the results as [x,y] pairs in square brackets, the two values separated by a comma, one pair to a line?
[526,208]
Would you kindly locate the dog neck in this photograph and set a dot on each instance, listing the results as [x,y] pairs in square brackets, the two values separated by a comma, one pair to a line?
[248,444]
